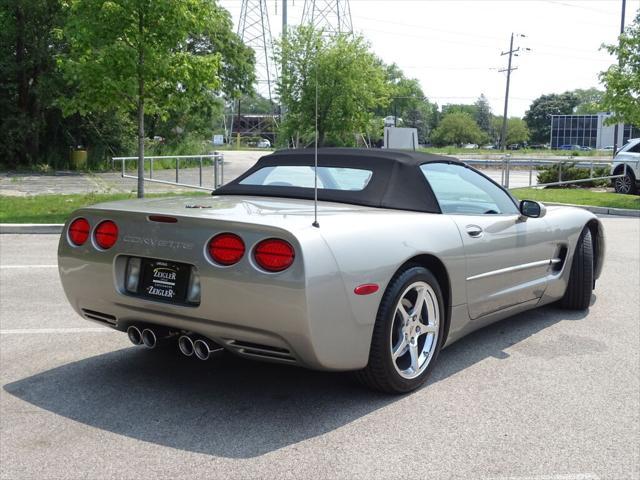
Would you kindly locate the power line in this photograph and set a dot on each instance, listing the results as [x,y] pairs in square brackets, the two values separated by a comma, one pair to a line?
[464,33]
[542,52]
[582,6]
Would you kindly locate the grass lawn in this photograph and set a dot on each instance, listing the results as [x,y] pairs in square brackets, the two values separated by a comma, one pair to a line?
[56,208]
[579,196]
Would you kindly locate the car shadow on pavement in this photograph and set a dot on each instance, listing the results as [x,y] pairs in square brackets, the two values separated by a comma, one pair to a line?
[233,407]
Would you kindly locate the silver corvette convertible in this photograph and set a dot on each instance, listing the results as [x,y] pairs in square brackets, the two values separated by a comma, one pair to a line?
[401,255]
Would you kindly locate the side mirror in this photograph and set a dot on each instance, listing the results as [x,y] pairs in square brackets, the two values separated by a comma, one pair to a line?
[533,209]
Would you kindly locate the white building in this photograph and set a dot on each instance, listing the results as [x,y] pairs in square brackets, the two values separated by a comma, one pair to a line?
[588,131]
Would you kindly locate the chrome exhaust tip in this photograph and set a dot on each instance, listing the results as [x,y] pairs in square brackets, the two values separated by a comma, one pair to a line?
[185,344]
[149,338]
[134,334]
[203,349]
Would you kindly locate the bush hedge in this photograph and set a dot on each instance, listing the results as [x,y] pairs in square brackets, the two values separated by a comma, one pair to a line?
[570,171]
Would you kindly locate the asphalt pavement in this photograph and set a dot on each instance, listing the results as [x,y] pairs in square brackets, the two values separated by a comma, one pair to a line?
[548,394]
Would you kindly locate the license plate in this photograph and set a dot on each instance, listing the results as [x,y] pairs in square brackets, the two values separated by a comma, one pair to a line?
[164,280]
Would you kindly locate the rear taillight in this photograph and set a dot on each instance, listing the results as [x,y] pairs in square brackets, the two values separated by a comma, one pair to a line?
[79,231]
[226,249]
[274,255]
[106,234]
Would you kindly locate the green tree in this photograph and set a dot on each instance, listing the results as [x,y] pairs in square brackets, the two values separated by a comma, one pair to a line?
[147,56]
[422,117]
[257,104]
[28,46]
[622,82]
[350,84]
[406,93]
[589,101]
[409,103]
[457,128]
[483,116]
[517,130]
[459,108]
[538,117]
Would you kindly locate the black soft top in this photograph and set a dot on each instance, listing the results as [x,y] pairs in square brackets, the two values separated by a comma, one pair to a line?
[396,182]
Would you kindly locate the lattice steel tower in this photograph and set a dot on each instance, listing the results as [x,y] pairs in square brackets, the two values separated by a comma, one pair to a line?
[255,32]
[331,16]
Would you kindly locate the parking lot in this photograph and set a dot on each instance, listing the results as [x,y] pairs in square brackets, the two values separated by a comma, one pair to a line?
[549,394]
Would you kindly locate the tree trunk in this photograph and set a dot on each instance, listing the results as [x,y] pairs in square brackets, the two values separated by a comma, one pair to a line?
[140,106]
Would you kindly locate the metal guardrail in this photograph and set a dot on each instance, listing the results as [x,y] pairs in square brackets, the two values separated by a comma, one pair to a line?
[217,163]
[507,163]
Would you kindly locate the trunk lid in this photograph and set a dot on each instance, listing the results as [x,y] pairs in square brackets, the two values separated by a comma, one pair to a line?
[292,214]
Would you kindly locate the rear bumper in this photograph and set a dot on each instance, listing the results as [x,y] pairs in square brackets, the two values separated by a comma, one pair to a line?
[301,316]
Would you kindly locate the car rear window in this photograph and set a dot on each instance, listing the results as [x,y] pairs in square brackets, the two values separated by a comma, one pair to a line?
[333,178]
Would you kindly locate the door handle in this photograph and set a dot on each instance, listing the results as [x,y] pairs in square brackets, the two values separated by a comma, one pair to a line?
[474,231]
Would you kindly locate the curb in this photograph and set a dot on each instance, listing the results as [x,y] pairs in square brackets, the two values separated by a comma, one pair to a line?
[622,212]
[31,228]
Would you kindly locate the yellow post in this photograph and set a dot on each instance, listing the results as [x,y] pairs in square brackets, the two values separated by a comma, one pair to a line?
[238,142]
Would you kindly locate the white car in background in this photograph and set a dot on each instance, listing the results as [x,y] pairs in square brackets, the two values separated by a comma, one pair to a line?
[628,155]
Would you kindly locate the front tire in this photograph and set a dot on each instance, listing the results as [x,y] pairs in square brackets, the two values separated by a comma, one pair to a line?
[408,333]
[581,279]
[626,184]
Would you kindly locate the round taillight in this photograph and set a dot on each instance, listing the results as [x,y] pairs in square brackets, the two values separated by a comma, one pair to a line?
[226,249]
[79,231]
[106,234]
[274,255]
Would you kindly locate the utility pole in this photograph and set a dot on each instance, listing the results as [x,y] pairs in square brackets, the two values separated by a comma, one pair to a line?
[615,129]
[284,19]
[333,17]
[509,69]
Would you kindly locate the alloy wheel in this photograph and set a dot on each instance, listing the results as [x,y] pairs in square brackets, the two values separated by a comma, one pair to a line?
[623,184]
[415,330]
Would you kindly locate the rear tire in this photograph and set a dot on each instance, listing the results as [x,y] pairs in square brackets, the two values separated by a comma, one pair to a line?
[581,279]
[408,333]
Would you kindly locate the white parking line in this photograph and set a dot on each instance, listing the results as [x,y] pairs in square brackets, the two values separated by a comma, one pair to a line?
[28,266]
[36,331]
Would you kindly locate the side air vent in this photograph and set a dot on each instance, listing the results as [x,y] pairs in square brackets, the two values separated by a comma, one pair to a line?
[262,351]
[99,316]
[560,258]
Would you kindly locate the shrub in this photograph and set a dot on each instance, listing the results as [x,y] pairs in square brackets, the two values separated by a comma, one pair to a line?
[570,171]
